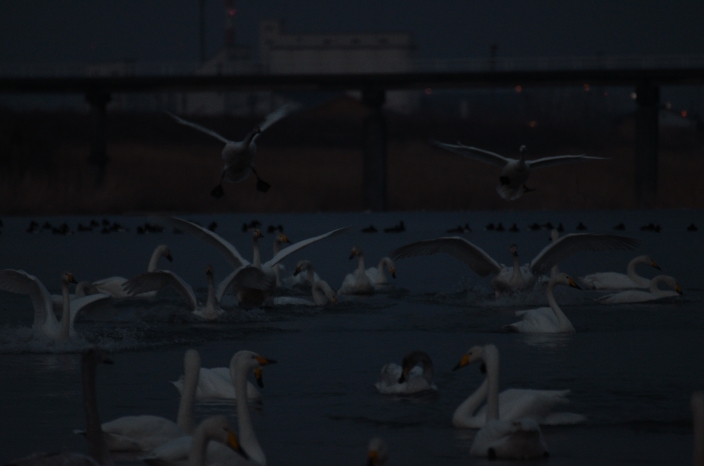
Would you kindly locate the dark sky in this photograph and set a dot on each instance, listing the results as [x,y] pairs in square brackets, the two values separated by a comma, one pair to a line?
[167,30]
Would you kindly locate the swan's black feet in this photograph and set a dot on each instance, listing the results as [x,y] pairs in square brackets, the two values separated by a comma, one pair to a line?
[262,185]
[504,180]
[217,192]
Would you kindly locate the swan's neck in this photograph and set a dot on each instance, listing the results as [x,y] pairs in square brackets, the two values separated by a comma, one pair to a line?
[250,137]
[360,263]
[186,415]
[96,443]
[563,322]
[516,276]
[244,423]
[212,303]
[655,289]
[467,408]
[154,261]
[491,359]
[633,275]
[201,436]
[64,332]
[256,258]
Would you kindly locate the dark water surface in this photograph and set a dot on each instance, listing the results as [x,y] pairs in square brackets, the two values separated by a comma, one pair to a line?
[631,368]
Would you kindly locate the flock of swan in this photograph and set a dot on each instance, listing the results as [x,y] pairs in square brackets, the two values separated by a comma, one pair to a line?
[508,422]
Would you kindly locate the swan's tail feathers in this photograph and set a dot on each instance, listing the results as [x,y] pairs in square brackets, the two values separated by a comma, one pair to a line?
[262,185]
[217,191]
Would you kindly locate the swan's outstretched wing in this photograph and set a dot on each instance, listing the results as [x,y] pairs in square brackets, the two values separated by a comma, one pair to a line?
[157,280]
[473,153]
[215,240]
[199,128]
[300,245]
[224,285]
[19,281]
[276,115]
[559,159]
[76,305]
[470,254]
[564,247]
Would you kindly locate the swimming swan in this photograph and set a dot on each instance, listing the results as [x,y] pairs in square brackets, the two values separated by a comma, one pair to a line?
[215,384]
[376,274]
[253,282]
[113,285]
[516,277]
[159,279]
[619,281]
[242,363]
[146,432]
[514,403]
[99,454]
[239,155]
[638,296]
[357,282]
[197,450]
[45,324]
[514,172]
[408,378]
[546,319]
[501,437]
[322,294]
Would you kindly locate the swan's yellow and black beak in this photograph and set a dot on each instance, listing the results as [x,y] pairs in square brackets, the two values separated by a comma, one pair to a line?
[463,362]
[70,278]
[297,271]
[258,377]
[678,289]
[334,299]
[168,256]
[258,234]
[353,253]
[404,375]
[373,459]
[284,239]
[655,265]
[573,284]
[264,361]
[234,443]
[393,272]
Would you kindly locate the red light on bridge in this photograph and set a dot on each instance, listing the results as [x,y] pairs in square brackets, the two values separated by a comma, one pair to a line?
[519,88]
[232,11]
[428,91]
[586,87]
[683,113]
[533,124]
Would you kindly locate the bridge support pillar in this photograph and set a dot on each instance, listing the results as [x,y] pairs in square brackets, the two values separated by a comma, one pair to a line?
[374,150]
[646,150]
[98,158]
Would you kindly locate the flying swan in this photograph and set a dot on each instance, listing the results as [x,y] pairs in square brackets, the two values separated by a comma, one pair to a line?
[239,155]
[514,172]
[113,285]
[516,277]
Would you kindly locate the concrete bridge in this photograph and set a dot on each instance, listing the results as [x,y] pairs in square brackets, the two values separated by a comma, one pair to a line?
[644,74]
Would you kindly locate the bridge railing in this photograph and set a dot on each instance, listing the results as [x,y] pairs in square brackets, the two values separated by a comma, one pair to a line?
[133,68]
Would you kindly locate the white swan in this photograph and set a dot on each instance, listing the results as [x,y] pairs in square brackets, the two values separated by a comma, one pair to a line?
[639,296]
[357,282]
[146,432]
[215,384]
[113,285]
[301,279]
[197,450]
[377,452]
[619,281]
[501,437]
[242,363]
[159,279]
[253,282]
[414,375]
[514,172]
[45,324]
[516,277]
[239,155]
[376,274]
[322,294]
[514,403]
[546,319]
[99,454]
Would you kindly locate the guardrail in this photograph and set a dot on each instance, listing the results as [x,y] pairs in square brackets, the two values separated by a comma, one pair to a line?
[132,68]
